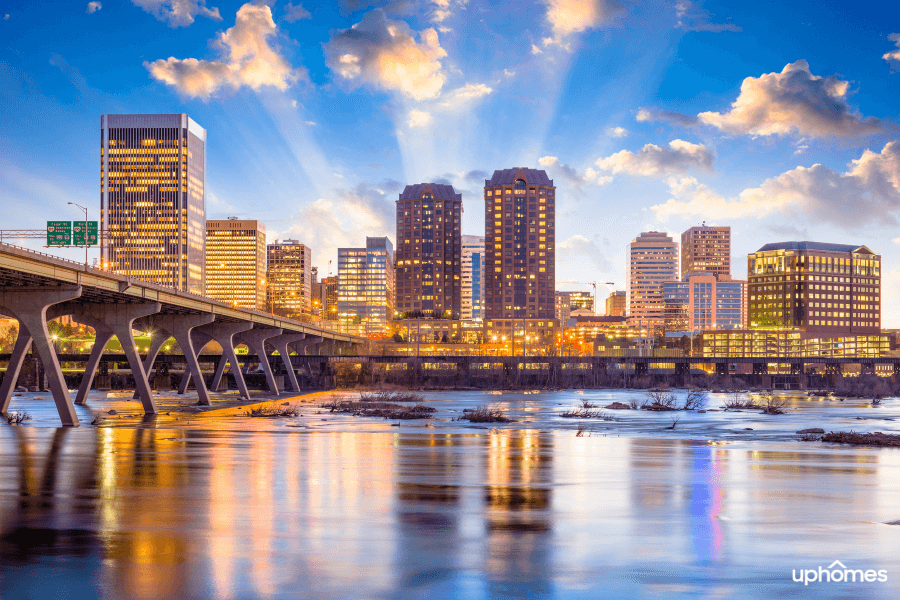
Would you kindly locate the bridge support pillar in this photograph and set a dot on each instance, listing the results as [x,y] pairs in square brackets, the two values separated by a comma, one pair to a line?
[115,319]
[29,306]
[282,344]
[256,340]
[223,334]
[309,343]
[162,327]
[101,339]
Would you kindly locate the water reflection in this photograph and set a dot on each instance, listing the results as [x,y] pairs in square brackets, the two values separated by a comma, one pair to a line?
[174,513]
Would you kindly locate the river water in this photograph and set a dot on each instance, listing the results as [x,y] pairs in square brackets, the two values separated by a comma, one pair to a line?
[212,504]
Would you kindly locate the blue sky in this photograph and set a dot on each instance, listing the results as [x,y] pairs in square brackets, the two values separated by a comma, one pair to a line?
[777,118]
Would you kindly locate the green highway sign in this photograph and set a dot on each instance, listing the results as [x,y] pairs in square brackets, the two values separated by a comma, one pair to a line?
[79,231]
[59,233]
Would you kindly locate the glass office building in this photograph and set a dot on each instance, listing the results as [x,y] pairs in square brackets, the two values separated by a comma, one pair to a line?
[153,199]
[289,279]
[472,278]
[236,262]
[700,301]
[365,302]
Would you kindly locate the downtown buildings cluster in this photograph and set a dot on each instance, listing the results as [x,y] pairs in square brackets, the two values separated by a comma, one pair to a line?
[497,290]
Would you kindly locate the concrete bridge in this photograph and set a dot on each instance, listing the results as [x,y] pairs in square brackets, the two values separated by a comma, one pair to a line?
[35,288]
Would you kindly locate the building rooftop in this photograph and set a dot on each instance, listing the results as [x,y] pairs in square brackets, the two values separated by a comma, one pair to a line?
[584,319]
[509,176]
[441,191]
[819,246]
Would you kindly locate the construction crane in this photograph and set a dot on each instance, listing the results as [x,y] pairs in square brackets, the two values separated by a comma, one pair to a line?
[593,284]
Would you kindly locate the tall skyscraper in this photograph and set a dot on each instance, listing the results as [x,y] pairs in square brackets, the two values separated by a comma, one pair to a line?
[706,250]
[366,287]
[429,265]
[289,279]
[615,304]
[815,287]
[519,231]
[152,198]
[236,262]
[652,260]
[472,278]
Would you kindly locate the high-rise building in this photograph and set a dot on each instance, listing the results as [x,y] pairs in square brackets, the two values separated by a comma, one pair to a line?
[365,301]
[706,250]
[815,287]
[568,302]
[615,304]
[236,262]
[330,292]
[519,231]
[152,198]
[472,278]
[289,275]
[652,261]
[429,263]
[703,301]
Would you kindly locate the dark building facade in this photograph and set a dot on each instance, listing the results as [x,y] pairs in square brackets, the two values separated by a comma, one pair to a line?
[814,287]
[429,251]
[520,243]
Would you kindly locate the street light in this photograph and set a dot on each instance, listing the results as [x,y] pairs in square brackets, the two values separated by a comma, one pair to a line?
[84,208]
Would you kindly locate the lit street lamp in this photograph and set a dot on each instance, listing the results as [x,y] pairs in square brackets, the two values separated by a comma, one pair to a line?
[84,208]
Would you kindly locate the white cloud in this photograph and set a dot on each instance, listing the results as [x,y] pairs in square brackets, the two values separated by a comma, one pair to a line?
[465,95]
[343,219]
[893,57]
[868,192]
[385,54]
[442,10]
[656,161]
[418,118]
[178,13]
[568,17]
[583,252]
[617,132]
[249,60]
[793,100]
[692,18]
[536,50]
[647,115]
[295,13]
[93,7]
[571,174]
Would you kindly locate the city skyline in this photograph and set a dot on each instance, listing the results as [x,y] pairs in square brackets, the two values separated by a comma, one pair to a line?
[652,144]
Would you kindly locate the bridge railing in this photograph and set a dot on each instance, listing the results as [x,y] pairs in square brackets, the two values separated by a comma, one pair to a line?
[80,266]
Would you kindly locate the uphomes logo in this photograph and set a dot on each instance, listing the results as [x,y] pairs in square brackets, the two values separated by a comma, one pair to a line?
[836,572]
